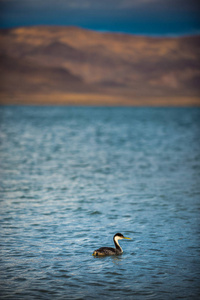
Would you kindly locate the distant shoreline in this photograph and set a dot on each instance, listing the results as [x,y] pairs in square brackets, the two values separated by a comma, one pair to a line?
[98,100]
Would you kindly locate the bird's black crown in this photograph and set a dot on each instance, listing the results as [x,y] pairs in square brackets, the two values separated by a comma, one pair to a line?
[119,234]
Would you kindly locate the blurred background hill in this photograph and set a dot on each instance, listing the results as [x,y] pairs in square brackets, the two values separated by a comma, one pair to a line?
[70,65]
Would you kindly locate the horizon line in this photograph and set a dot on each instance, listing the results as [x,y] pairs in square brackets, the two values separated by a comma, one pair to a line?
[153,35]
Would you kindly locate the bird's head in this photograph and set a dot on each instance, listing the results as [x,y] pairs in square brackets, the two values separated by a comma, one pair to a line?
[119,236]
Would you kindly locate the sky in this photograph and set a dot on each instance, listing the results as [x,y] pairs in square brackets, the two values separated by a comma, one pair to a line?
[146,17]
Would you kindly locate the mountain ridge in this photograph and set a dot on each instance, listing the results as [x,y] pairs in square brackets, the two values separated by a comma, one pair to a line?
[69,61]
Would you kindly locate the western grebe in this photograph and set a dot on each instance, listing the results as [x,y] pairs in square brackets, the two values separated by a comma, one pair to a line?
[111,251]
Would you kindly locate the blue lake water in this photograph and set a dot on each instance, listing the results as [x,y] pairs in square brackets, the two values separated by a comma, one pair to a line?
[72,177]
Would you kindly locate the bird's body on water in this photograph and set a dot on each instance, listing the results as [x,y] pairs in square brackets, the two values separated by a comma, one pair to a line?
[103,251]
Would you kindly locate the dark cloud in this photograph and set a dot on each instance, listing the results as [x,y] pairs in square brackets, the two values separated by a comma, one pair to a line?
[133,16]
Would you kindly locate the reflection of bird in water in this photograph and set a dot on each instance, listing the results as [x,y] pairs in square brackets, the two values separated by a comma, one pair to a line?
[111,251]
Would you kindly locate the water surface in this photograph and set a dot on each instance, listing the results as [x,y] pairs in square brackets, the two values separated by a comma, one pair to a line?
[73,177]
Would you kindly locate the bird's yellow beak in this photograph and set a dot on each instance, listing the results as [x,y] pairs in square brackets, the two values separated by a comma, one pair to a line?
[127,238]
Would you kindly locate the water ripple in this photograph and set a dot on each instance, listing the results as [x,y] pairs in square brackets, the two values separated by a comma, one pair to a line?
[73,177]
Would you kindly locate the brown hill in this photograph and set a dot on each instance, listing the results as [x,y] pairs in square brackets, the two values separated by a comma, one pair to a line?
[69,65]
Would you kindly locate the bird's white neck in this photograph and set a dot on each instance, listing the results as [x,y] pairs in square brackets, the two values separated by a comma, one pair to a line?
[117,244]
